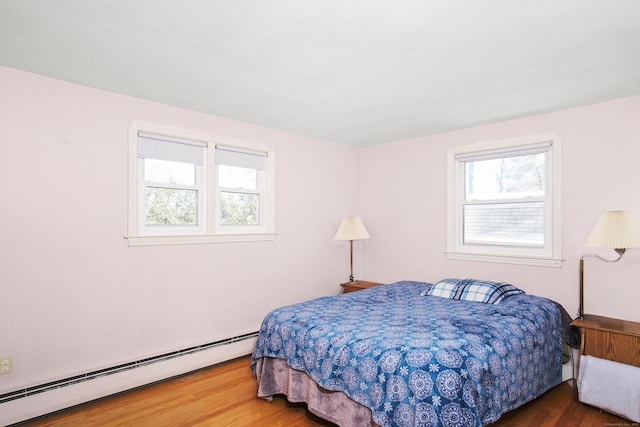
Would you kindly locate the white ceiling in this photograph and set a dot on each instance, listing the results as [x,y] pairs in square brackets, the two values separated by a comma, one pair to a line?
[357,72]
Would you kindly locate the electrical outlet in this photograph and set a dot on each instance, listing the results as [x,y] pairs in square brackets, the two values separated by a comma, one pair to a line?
[6,365]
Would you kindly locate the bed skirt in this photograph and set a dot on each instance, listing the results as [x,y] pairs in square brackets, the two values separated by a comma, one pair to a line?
[275,377]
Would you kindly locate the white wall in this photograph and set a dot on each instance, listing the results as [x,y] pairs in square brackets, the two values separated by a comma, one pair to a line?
[75,297]
[404,206]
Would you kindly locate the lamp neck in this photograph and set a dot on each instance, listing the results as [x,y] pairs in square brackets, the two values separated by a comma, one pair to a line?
[351,260]
[620,252]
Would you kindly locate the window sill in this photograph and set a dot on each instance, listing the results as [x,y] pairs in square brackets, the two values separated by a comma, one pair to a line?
[198,240]
[506,259]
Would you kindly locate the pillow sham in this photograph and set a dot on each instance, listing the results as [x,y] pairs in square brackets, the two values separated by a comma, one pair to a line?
[473,290]
[445,288]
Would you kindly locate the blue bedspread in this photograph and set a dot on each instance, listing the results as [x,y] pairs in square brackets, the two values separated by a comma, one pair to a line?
[421,360]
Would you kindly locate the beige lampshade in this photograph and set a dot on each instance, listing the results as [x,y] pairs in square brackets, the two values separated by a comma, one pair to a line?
[351,228]
[615,230]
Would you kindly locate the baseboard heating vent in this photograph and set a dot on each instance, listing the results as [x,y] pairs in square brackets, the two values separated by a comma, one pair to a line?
[42,388]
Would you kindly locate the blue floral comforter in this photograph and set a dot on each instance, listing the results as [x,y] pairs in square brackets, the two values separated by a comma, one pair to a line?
[421,360]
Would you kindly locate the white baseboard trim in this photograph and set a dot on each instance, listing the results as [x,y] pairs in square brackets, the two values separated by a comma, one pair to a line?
[23,409]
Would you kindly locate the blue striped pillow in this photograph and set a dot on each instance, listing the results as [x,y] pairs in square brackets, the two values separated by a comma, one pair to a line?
[474,290]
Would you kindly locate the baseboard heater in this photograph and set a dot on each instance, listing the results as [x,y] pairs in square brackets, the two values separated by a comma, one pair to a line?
[30,391]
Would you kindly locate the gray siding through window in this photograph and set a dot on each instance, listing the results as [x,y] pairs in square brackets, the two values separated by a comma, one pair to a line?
[509,223]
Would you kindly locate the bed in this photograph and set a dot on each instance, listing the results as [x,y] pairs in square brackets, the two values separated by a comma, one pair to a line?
[459,352]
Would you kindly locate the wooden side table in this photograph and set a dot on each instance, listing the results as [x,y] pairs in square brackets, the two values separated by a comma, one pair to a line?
[357,285]
[608,338]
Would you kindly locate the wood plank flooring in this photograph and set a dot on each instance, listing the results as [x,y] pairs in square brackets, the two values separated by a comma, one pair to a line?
[225,395]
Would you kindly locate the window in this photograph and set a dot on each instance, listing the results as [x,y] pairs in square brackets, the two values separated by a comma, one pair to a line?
[240,190]
[503,201]
[188,187]
[170,185]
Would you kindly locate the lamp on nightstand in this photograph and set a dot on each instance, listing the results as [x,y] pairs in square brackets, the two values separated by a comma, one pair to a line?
[617,230]
[351,228]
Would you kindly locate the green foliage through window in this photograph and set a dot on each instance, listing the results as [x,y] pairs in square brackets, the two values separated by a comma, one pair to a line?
[168,206]
[239,208]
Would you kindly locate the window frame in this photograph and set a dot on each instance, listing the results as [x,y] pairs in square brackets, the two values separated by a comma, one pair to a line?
[229,144]
[209,231]
[199,186]
[550,254]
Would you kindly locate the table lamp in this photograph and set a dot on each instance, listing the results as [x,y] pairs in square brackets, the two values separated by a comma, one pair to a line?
[351,228]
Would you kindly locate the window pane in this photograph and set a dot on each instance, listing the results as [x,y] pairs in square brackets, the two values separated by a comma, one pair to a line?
[168,206]
[509,177]
[169,172]
[239,208]
[504,224]
[237,177]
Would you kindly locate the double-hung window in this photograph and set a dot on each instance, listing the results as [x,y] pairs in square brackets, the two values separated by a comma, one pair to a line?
[171,196]
[240,189]
[503,201]
[190,187]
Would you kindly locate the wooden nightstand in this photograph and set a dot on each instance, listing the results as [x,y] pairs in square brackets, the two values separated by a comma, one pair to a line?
[357,285]
[611,339]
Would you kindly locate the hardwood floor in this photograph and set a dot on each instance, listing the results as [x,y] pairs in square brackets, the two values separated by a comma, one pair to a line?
[225,395]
